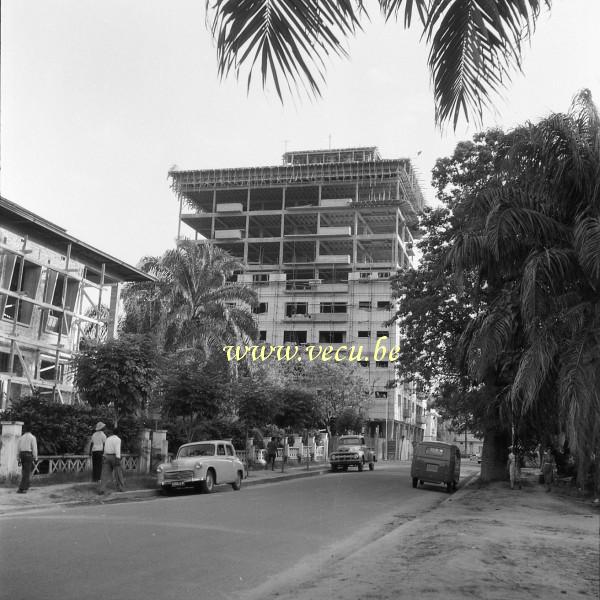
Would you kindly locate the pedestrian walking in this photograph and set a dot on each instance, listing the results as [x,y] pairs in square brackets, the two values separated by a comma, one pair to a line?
[28,452]
[111,466]
[286,453]
[514,468]
[96,451]
[548,467]
[271,453]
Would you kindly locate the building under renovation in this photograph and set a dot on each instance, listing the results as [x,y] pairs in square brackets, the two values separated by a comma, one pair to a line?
[321,235]
[55,291]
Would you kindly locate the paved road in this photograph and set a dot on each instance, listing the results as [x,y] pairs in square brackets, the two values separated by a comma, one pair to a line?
[202,546]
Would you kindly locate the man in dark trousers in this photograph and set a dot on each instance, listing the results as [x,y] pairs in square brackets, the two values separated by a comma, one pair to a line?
[28,452]
[272,453]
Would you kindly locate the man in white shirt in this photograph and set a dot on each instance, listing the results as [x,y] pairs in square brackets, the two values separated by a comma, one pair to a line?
[97,451]
[111,468]
[28,452]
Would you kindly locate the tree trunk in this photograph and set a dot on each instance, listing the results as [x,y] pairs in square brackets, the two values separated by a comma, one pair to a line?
[494,455]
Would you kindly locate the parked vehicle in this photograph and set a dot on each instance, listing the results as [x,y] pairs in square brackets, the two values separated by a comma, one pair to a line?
[436,462]
[352,452]
[202,465]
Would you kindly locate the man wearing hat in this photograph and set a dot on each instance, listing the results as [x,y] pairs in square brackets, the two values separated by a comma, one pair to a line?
[97,451]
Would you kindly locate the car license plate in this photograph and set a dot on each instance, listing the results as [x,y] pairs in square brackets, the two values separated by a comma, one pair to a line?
[177,483]
[432,468]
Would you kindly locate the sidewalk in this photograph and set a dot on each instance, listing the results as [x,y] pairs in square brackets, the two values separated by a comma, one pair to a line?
[41,495]
[486,541]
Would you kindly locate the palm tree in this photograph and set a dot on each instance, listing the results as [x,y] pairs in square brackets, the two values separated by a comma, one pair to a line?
[193,307]
[535,244]
[474,44]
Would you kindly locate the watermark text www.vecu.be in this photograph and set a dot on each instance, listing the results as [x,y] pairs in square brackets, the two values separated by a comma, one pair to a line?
[311,352]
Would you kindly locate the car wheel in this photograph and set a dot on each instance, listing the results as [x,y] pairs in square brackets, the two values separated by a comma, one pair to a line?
[209,483]
[166,491]
[345,468]
[360,466]
[237,484]
[371,466]
[415,482]
[449,487]
[420,482]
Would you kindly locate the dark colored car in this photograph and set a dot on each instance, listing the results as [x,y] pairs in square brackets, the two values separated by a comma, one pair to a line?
[436,462]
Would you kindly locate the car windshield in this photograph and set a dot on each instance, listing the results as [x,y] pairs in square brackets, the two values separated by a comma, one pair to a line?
[350,442]
[196,450]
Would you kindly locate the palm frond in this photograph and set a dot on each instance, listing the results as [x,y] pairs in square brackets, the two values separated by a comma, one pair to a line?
[286,39]
[545,274]
[534,368]
[474,46]
[587,245]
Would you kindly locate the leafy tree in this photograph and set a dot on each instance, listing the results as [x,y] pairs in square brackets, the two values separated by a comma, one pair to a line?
[258,393]
[119,373]
[299,410]
[474,45]
[192,307]
[535,243]
[337,387]
[192,394]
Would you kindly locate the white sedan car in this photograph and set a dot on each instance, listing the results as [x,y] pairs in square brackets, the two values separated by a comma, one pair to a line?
[202,465]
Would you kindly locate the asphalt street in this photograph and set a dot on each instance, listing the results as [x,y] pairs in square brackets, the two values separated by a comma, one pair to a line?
[195,546]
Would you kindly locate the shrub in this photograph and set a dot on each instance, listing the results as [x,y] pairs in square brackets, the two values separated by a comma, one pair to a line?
[67,428]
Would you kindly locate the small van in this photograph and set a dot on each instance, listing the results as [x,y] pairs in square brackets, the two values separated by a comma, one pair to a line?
[436,462]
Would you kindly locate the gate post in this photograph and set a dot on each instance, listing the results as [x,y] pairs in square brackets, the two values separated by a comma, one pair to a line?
[145,451]
[160,446]
[9,456]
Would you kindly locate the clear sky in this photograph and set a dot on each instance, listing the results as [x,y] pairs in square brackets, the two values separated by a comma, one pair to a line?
[101,99]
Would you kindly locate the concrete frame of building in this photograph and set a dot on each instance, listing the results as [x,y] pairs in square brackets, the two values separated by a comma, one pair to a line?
[321,236]
[53,289]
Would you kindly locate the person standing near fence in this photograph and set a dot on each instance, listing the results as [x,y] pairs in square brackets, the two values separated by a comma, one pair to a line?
[271,453]
[97,451]
[28,452]
[286,452]
[111,467]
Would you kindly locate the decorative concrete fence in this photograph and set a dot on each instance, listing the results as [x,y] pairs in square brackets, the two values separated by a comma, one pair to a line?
[45,466]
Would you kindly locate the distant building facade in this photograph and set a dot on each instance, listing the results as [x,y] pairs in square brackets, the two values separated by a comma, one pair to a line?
[54,290]
[321,236]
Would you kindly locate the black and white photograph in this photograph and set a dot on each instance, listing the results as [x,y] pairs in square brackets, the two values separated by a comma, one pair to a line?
[299,299]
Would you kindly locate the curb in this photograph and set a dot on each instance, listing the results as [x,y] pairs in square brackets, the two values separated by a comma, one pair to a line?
[143,494]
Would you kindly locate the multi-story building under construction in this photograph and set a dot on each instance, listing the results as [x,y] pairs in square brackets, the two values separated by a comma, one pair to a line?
[321,235]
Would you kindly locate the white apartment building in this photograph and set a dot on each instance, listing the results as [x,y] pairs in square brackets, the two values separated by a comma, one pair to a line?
[321,235]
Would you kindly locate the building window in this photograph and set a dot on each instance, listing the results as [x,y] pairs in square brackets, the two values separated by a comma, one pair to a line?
[364,334]
[382,364]
[26,284]
[262,336]
[381,334]
[332,337]
[259,278]
[261,308]
[54,290]
[294,337]
[381,394]
[364,305]
[334,307]
[296,308]
[383,305]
